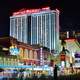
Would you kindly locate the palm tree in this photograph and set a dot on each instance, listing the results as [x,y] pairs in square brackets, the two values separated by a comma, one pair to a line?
[63,43]
[64,50]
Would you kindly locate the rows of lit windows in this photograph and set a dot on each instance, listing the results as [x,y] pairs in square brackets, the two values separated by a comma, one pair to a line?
[12,27]
[39,29]
[23,28]
[18,28]
[29,54]
[47,30]
[53,28]
[34,30]
[43,29]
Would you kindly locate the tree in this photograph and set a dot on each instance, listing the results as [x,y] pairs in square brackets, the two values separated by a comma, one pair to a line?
[64,50]
[63,43]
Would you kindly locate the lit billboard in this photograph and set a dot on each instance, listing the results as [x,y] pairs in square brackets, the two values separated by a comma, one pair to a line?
[77,55]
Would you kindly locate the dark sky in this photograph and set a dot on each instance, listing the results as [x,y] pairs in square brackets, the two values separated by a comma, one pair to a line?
[69,12]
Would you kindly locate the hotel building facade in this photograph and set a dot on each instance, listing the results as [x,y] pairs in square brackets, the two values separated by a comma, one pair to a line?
[36,26]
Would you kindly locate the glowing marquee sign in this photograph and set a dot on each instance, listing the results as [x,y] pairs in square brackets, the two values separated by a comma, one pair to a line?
[14,50]
[23,11]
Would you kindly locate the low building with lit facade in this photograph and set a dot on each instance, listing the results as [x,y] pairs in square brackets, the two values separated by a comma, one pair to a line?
[70,57]
[36,26]
[15,54]
[18,53]
[70,34]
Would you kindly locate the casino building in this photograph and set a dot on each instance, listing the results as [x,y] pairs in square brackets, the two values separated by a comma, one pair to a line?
[36,26]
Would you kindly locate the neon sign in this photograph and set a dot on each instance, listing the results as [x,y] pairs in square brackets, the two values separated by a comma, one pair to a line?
[23,11]
[14,50]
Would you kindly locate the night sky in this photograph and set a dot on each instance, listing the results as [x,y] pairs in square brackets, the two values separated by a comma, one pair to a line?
[69,12]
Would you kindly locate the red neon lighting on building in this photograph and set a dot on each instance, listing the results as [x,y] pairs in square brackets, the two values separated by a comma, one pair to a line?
[58,11]
[23,11]
[70,40]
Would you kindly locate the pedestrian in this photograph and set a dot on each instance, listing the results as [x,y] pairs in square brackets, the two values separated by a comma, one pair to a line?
[55,72]
[34,77]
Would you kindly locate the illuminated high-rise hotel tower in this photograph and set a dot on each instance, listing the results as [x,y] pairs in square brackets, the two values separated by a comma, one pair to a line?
[36,26]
